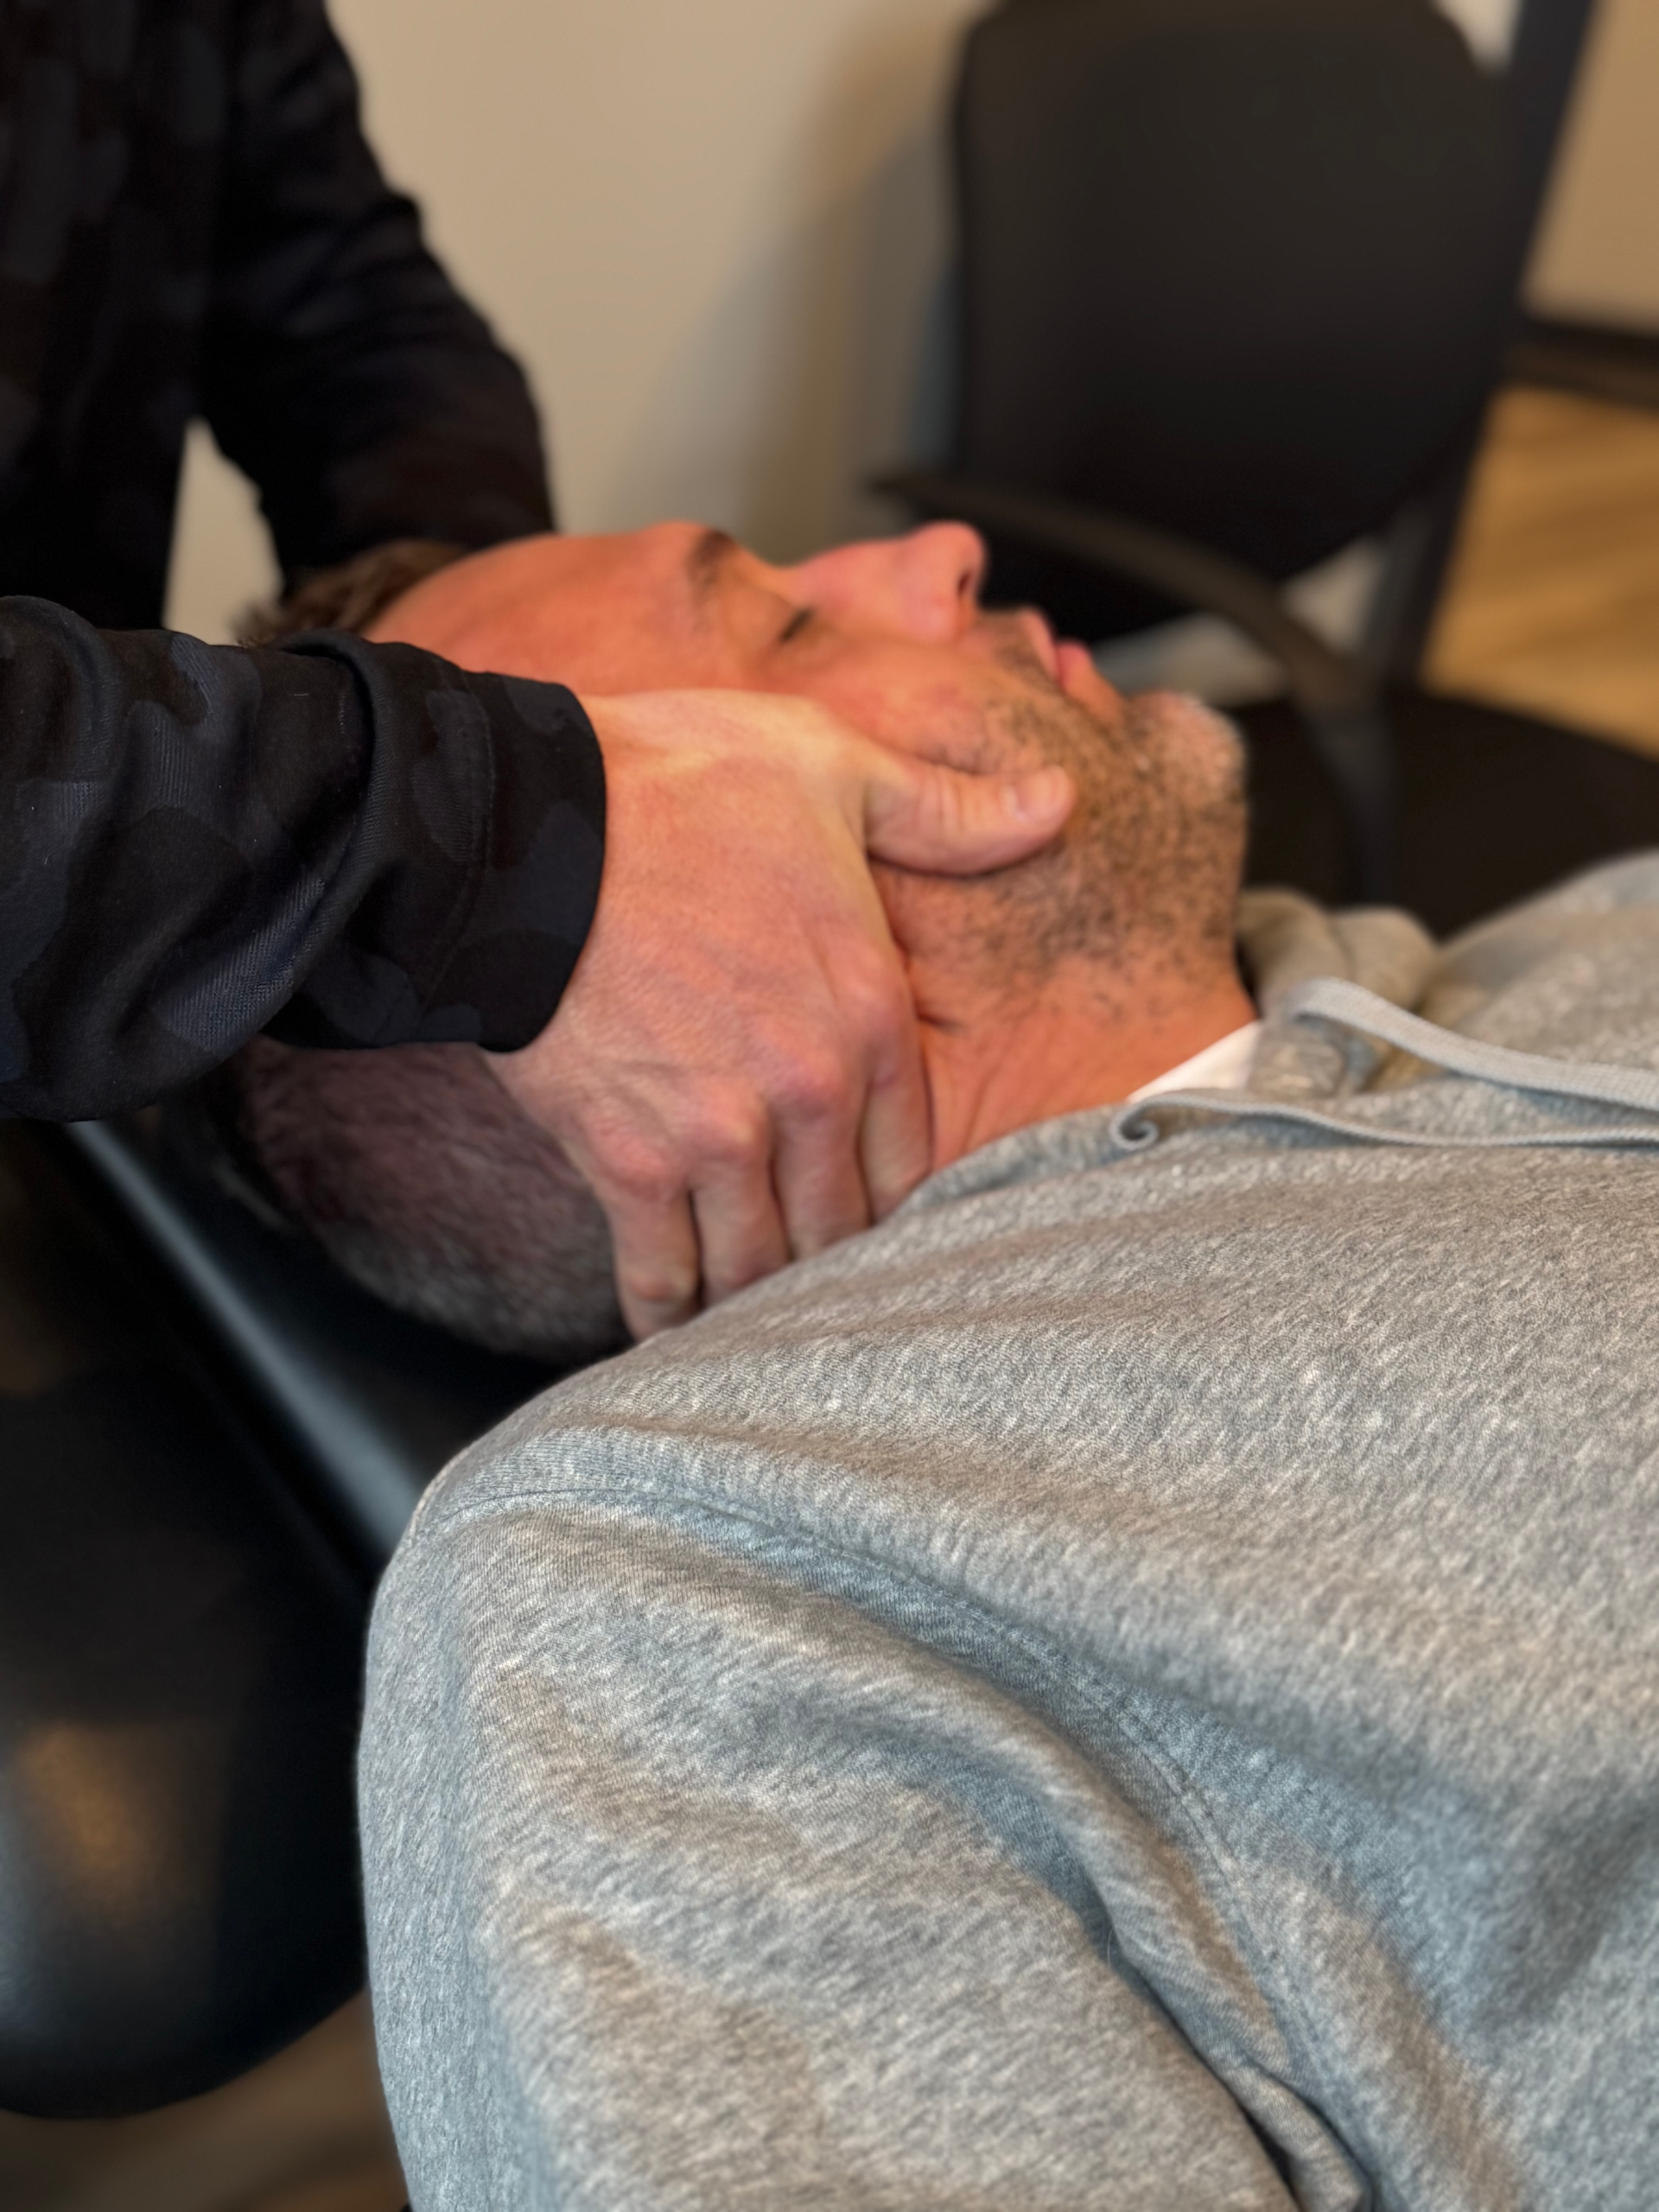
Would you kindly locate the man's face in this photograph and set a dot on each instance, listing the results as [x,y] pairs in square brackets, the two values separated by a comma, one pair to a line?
[890,634]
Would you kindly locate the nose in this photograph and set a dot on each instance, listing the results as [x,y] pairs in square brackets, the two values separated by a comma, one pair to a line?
[938,572]
[925,585]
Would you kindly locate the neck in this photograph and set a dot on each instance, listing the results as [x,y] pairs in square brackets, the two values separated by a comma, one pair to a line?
[1068,1045]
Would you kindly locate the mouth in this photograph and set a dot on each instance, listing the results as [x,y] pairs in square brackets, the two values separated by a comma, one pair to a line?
[1068,665]
[1023,640]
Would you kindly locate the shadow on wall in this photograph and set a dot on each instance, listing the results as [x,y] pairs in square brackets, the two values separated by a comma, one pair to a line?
[834,353]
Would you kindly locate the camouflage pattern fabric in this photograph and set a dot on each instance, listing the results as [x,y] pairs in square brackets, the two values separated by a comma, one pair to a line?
[348,845]
[191,222]
[344,843]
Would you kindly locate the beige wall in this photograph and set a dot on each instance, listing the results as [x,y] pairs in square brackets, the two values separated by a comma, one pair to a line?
[712,230]
[1599,255]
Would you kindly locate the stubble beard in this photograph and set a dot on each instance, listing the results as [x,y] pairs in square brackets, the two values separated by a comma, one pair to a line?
[1141,889]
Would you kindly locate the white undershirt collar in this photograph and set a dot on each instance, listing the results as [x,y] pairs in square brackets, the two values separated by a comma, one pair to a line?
[1224,1065]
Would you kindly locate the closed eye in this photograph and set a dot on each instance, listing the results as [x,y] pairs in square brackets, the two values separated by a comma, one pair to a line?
[795,623]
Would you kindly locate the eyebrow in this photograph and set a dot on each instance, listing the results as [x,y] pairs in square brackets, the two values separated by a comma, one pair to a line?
[704,566]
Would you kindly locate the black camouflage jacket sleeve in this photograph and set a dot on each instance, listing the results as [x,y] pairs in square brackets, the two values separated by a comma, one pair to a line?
[347,844]
[339,367]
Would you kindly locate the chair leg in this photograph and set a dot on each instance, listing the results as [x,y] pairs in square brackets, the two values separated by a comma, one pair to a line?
[1355,744]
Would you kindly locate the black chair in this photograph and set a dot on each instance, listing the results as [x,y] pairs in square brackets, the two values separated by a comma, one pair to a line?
[209,1442]
[1238,279]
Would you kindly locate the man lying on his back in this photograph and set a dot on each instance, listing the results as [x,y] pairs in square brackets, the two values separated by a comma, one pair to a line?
[1135,1682]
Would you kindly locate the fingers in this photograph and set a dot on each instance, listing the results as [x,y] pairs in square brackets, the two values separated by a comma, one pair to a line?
[895,1135]
[680,1246]
[732,1229]
[768,1183]
[739,1230]
[821,1189]
[763,1190]
[658,1269]
[921,815]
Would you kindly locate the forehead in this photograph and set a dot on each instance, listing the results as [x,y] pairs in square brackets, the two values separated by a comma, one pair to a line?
[634,610]
[671,566]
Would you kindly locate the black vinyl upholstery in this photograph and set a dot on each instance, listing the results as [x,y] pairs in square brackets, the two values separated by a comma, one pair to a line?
[207,1445]
[179,1659]
[1241,269]
[1238,279]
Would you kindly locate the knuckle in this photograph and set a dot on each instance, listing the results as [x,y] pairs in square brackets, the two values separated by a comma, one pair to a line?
[815,1086]
[646,1174]
[878,1003]
[731,1131]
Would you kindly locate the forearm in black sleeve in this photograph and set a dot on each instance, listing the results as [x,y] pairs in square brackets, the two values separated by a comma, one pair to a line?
[347,844]
[341,370]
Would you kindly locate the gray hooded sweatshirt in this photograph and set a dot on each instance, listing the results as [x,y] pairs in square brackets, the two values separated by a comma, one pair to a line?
[1133,1684]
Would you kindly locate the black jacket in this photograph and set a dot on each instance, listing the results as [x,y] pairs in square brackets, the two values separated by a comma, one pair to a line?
[192,842]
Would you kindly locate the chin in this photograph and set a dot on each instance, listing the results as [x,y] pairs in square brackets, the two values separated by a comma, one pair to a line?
[1187,731]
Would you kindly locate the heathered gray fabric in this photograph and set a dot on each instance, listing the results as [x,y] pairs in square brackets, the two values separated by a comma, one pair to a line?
[1135,1685]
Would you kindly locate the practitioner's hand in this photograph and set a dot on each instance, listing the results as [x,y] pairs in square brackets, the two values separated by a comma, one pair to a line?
[736,1066]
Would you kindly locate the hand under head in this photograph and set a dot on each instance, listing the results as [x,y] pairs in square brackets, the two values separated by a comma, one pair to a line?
[1045,987]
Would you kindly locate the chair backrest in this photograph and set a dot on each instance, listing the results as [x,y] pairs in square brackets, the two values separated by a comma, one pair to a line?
[1540,80]
[1241,268]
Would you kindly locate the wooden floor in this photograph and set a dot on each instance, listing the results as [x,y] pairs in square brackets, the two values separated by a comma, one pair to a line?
[1553,603]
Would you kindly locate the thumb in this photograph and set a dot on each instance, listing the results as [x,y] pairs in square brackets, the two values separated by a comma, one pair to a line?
[921,815]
